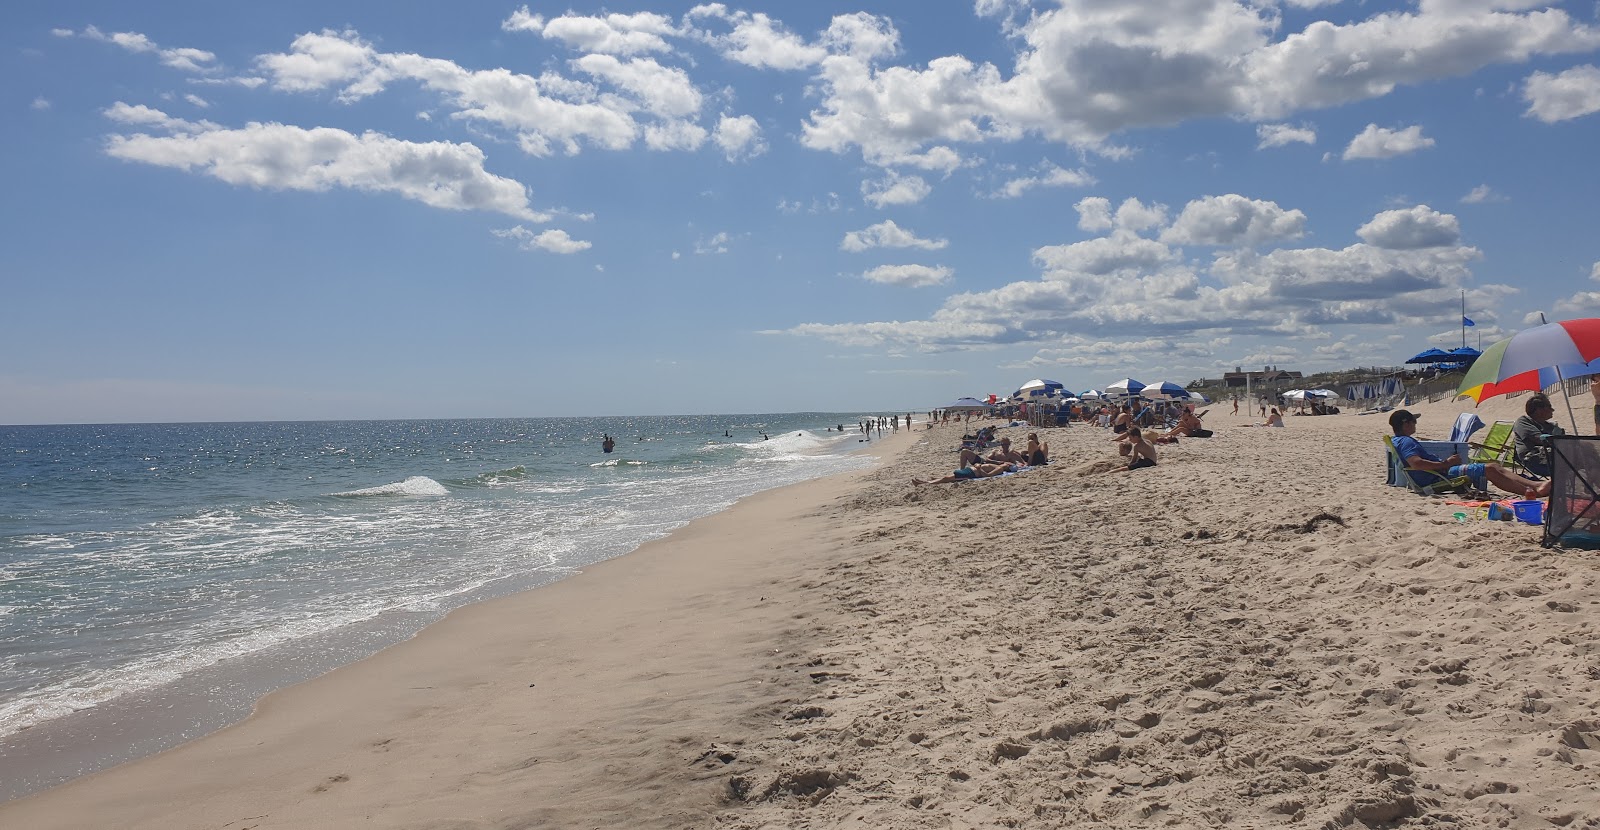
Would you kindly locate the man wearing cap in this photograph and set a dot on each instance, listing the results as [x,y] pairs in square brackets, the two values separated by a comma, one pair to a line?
[1415,458]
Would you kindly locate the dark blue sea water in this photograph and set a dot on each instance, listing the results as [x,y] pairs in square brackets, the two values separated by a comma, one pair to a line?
[134,556]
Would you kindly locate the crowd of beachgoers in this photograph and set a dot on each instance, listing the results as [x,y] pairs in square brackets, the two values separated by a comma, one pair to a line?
[1135,427]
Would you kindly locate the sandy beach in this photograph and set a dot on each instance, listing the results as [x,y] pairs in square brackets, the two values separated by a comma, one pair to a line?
[1257,632]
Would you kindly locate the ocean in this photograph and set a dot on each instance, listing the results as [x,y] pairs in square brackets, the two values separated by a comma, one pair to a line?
[156,579]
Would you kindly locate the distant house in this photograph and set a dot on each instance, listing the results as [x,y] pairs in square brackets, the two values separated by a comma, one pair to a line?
[1267,376]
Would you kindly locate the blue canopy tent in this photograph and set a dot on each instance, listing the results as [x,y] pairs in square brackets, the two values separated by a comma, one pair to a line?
[1432,356]
[969,404]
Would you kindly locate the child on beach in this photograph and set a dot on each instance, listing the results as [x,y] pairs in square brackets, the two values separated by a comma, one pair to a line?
[1139,452]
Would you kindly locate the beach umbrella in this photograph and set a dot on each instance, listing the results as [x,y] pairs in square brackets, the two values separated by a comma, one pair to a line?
[1465,354]
[968,404]
[1039,387]
[1533,359]
[1125,388]
[1093,395]
[1431,356]
[1165,390]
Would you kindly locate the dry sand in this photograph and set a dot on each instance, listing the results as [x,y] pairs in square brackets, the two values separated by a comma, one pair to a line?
[1258,632]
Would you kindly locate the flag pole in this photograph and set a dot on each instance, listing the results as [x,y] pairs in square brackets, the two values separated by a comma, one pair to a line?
[1463,318]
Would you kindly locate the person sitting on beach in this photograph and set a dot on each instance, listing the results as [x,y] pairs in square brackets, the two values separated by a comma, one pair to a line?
[1143,416]
[1003,454]
[1123,421]
[1415,458]
[1273,420]
[1188,426]
[969,469]
[1037,454]
[1139,452]
[1532,435]
[1594,392]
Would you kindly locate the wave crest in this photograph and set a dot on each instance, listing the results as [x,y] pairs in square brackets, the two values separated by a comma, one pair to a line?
[413,486]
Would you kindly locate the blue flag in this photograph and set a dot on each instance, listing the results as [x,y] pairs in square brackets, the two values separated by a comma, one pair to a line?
[1467,322]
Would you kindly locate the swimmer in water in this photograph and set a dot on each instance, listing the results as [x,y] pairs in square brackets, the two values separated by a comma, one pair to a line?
[608,444]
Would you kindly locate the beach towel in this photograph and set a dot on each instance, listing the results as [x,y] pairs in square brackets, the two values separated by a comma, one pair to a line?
[1466,424]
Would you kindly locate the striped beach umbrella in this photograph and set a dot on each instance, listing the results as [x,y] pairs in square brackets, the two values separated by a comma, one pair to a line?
[1165,390]
[1530,359]
[1125,388]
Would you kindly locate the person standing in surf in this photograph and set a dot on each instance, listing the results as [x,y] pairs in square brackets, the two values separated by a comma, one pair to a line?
[609,444]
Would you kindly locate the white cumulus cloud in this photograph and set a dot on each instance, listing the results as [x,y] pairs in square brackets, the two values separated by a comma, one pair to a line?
[1377,142]
[283,157]
[739,137]
[757,40]
[887,234]
[182,58]
[1046,175]
[895,189]
[554,240]
[1416,227]
[612,34]
[1095,214]
[1232,219]
[1570,94]
[911,276]
[1279,135]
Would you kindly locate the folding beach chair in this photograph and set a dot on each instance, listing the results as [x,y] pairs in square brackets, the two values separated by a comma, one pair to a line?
[1438,483]
[1572,518]
[1496,446]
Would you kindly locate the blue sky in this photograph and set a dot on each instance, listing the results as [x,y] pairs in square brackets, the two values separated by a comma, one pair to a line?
[320,210]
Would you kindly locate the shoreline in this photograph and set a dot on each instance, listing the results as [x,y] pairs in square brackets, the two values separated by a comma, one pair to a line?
[1256,632]
[282,711]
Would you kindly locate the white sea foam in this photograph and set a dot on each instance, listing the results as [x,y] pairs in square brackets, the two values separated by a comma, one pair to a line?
[413,486]
[619,462]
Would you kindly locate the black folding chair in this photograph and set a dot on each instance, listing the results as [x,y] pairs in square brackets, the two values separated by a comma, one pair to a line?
[1572,517]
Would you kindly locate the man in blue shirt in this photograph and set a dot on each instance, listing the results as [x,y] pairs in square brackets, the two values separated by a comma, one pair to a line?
[1416,459]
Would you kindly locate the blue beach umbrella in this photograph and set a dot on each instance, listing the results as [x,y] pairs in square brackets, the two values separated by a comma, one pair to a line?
[966,403]
[1039,386]
[1125,388]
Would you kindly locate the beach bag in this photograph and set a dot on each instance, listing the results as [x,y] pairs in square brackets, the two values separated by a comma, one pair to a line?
[1201,433]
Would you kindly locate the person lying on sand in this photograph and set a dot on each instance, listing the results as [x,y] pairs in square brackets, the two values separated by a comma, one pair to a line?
[1414,457]
[1139,452]
[969,469]
[1004,454]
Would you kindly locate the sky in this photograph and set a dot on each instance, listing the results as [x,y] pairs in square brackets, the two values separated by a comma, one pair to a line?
[334,210]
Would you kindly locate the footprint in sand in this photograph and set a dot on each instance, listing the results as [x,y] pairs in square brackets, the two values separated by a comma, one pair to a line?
[328,784]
